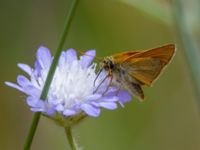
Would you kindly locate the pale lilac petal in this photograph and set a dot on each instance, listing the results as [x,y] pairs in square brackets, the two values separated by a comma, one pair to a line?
[34,102]
[124,97]
[71,55]
[26,68]
[108,105]
[95,103]
[37,109]
[31,90]
[34,81]
[87,58]
[50,112]
[23,81]
[59,108]
[93,97]
[110,98]
[62,59]
[14,86]
[44,57]
[38,68]
[90,110]
[69,112]
[27,86]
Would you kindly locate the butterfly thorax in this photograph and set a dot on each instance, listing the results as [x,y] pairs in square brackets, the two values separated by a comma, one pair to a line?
[108,63]
[120,76]
[114,69]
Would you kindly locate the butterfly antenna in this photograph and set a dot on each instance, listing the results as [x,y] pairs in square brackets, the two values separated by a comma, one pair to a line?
[97,76]
[101,83]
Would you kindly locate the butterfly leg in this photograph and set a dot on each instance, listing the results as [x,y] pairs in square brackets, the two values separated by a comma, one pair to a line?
[107,88]
[101,83]
[98,76]
[110,82]
[118,89]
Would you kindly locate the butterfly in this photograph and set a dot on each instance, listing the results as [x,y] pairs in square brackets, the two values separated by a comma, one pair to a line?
[133,69]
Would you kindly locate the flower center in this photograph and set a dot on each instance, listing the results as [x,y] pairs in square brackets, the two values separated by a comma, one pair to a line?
[71,83]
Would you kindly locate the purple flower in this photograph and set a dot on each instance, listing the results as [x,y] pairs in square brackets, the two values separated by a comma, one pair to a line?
[72,88]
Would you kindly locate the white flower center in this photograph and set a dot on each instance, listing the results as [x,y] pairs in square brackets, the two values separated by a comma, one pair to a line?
[71,83]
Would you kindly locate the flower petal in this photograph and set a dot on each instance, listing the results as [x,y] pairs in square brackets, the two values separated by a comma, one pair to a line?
[59,108]
[108,105]
[69,112]
[110,98]
[124,97]
[34,102]
[14,86]
[37,109]
[50,112]
[71,55]
[87,58]
[32,91]
[44,57]
[93,97]
[90,110]
[62,59]
[27,86]
[26,68]
[37,69]
[23,81]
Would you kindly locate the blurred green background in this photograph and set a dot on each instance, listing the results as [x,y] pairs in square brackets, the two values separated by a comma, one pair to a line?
[169,119]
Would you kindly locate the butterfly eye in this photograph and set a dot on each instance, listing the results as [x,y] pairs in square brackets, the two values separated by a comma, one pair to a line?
[111,65]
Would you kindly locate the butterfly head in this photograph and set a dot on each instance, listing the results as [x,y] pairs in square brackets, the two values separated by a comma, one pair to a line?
[107,64]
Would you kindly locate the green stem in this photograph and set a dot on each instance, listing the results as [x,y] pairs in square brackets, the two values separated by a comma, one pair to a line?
[32,130]
[189,46]
[50,75]
[70,139]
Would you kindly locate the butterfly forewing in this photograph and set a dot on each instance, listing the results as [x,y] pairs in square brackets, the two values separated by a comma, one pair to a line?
[121,57]
[145,66]
[146,70]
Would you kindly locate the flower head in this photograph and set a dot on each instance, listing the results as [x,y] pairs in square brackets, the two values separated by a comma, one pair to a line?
[72,88]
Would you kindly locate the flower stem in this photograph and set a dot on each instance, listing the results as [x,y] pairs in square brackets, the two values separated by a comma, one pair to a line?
[190,47]
[50,75]
[32,130]
[70,139]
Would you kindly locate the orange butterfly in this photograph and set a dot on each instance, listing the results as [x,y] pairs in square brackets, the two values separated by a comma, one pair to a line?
[133,69]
